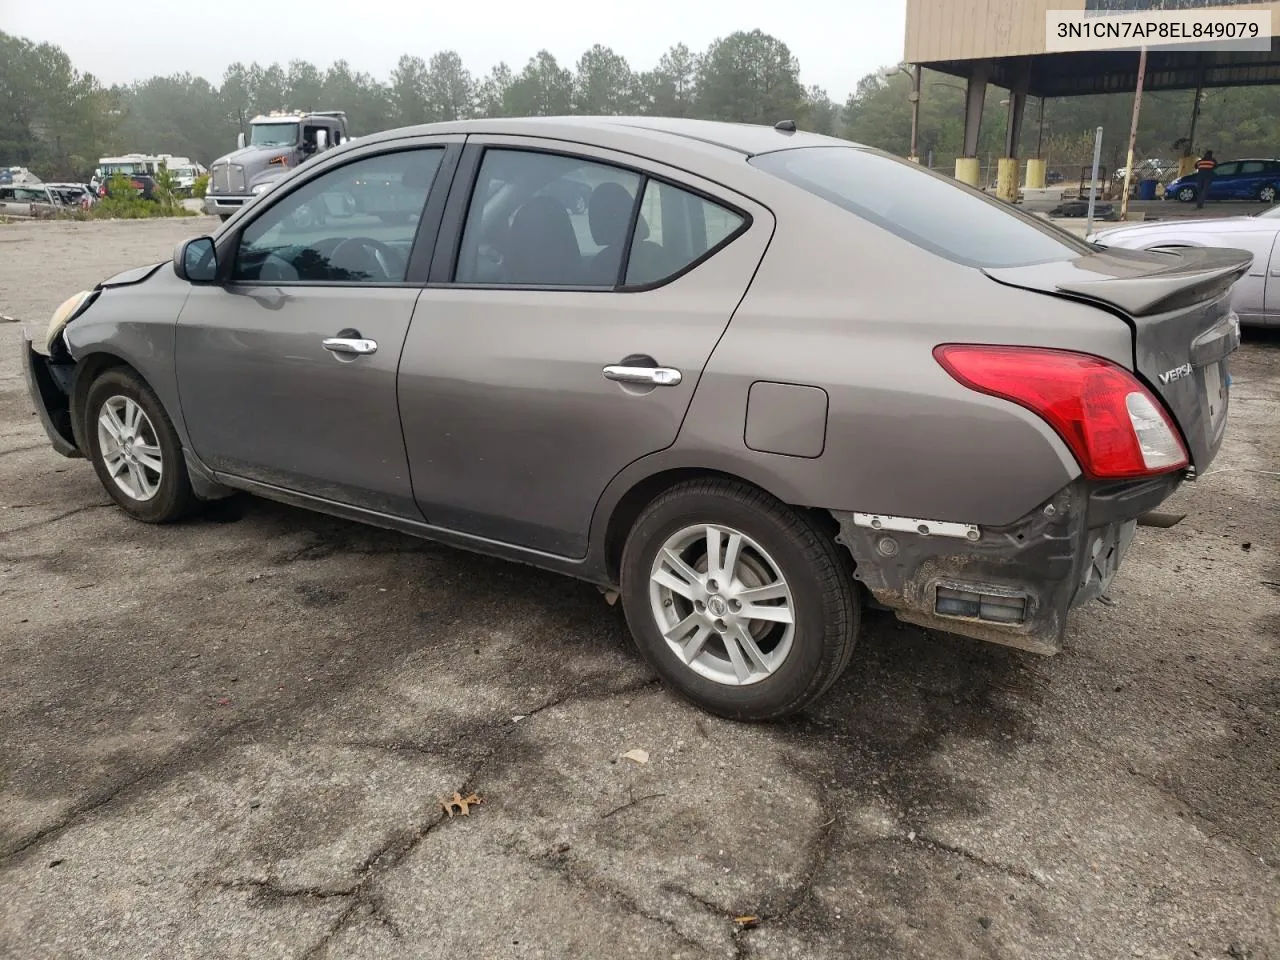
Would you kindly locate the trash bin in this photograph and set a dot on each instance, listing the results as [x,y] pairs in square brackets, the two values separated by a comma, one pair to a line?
[1147,189]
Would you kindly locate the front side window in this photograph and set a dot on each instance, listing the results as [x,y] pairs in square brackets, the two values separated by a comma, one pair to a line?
[675,229]
[539,219]
[273,134]
[352,224]
[923,208]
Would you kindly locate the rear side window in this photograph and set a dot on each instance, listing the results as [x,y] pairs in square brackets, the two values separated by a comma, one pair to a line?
[923,208]
[675,229]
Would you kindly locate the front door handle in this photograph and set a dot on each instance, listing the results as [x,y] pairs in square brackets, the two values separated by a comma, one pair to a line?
[350,346]
[649,376]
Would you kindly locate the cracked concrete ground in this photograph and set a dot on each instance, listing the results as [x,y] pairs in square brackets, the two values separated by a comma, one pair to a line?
[230,738]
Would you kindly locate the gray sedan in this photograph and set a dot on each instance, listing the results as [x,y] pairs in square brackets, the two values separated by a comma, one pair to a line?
[1256,296]
[760,380]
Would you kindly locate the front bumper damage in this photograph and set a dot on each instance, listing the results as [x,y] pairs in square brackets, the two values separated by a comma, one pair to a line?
[49,386]
[1013,585]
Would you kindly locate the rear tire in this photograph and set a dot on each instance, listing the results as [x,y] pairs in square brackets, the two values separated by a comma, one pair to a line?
[1267,194]
[135,450]
[797,621]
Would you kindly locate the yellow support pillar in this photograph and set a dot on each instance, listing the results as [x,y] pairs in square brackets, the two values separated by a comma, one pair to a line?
[968,170]
[1035,174]
[1007,179]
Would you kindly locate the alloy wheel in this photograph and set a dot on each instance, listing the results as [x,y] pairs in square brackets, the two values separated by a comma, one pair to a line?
[130,447]
[722,604]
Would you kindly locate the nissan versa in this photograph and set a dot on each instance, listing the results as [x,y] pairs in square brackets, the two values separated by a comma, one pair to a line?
[758,380]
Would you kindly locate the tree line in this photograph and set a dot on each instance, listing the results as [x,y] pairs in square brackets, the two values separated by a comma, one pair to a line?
[58,120]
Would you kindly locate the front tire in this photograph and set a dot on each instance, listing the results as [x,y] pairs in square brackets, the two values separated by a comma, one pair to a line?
[135,450]
[1186,194]
[741,604]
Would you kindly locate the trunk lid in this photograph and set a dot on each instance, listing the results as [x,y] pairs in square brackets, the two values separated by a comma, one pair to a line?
[1178,306]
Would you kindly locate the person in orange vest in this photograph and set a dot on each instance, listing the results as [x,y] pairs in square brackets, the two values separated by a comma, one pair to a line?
[1204,177]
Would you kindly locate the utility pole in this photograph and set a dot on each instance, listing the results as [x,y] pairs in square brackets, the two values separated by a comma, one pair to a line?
[1133,133]
[1093,182]
[914,97]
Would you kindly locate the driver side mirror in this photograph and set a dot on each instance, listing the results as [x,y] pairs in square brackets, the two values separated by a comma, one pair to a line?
[196,261]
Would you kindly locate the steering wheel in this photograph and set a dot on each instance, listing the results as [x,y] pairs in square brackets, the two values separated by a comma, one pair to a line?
[382,254]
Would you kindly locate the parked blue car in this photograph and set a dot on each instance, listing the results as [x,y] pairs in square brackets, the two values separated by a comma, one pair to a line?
[1257,180]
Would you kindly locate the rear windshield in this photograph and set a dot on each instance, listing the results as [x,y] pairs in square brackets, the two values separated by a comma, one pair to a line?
[923,208]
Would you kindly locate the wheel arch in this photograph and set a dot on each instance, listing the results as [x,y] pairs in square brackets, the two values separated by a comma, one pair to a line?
[623,503]
[88,369]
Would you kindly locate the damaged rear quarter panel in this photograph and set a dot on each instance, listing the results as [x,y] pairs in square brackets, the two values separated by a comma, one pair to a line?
[858,316]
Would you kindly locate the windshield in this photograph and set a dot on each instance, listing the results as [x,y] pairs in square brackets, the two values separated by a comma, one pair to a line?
[923,208]
[273,134]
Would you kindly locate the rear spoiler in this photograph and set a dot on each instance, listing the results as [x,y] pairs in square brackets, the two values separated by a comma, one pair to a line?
[1140,283]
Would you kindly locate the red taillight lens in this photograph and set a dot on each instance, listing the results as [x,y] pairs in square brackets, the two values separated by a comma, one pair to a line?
[1111,422]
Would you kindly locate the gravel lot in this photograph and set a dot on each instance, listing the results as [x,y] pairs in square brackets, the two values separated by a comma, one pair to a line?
[230,738]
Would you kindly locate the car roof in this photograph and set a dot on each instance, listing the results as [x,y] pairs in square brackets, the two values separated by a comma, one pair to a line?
[745,139]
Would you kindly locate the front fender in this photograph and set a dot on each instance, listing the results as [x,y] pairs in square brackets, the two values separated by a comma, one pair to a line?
[135,325]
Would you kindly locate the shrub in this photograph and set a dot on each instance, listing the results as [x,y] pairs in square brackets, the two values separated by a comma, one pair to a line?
[120,187]
[165,191]
[200,187]
[123,201]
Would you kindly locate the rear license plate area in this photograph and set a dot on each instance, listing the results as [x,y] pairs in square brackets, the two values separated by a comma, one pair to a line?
[1216,387]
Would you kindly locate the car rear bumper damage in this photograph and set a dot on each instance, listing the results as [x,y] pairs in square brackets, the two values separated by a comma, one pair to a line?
[1012,585]
[50,397]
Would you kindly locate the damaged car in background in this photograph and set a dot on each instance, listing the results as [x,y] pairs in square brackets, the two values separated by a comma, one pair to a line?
[758,381]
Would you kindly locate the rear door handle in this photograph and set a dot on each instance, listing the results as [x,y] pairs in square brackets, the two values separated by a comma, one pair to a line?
[350,346]
[650,376]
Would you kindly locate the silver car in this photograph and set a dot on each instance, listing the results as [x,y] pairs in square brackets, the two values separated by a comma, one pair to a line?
[28,201]
[1256,296]
[760,380]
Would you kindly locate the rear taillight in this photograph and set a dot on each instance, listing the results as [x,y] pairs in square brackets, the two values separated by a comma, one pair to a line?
[1115,427]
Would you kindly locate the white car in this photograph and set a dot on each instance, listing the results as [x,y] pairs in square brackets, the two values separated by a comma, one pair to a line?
[1256,296]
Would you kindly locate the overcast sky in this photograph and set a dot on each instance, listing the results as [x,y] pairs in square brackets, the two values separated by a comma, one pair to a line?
[836,41]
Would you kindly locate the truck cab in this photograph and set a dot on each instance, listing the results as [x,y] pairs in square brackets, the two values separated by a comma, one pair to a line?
[275,144]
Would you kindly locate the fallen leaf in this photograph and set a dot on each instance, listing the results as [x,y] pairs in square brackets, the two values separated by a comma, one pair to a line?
[518,717]
[638,755]
[462,803]
[747,922]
